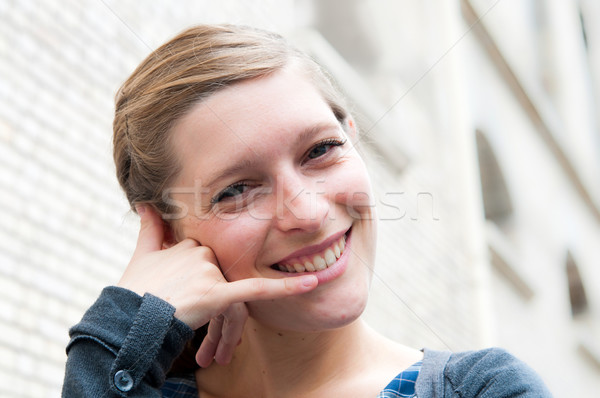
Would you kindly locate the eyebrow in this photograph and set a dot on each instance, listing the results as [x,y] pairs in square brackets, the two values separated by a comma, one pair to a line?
[245,164]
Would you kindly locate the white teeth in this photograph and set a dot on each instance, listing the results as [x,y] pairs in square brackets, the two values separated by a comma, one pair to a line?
[299,268]
[336,251]
[319,262]
[309,266]
[329,257]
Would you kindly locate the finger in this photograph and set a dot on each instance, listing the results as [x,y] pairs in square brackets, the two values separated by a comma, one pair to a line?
[208,348]
[254,289]
[151,233]
[231,332]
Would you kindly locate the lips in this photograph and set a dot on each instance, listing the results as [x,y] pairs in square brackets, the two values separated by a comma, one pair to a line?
[314,258]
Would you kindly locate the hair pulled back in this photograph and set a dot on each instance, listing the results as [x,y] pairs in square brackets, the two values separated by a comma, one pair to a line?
[181,73]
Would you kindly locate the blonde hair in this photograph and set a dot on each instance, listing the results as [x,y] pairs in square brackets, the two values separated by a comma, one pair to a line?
[182,72]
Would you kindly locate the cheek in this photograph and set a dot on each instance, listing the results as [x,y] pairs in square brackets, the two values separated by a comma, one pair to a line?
[238,242]
[234,240]
[353,191]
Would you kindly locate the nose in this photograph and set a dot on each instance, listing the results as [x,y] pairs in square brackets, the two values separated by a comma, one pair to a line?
[302,204]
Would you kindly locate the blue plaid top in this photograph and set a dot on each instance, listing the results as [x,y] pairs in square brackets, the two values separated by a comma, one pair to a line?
[180,387]
[402,386]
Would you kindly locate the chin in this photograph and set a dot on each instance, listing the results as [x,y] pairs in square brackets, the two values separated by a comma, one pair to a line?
[326,313]
[340,319]
[343,310]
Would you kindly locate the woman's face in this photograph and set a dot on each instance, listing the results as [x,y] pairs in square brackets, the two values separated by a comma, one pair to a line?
[272,184]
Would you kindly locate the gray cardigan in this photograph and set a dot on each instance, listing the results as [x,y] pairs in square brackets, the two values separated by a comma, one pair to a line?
[125,344]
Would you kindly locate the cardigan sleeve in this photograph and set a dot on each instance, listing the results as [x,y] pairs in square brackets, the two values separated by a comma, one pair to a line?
[491,373]
[123,346]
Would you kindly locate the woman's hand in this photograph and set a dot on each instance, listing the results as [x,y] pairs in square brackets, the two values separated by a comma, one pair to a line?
[187,276]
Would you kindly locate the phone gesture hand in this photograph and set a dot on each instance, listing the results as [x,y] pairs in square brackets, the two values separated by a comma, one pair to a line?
[188,277]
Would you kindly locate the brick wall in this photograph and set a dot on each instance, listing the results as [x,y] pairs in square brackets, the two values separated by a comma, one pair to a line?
[65,229]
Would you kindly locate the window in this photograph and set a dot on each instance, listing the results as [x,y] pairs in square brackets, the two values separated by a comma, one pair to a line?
[579,303]
[496,199]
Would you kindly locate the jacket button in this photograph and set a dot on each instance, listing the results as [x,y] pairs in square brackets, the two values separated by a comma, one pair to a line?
[123,381]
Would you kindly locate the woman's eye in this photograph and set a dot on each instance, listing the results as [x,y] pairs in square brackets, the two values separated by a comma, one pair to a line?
[230,192]
[323,147]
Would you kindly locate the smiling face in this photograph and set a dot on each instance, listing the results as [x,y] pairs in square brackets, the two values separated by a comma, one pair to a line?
[279,191]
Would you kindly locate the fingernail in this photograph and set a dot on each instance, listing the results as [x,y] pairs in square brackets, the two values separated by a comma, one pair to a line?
[140,208]
[308,280]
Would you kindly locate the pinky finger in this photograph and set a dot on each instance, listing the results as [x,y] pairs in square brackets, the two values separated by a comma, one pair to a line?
[231,332]
[208,348]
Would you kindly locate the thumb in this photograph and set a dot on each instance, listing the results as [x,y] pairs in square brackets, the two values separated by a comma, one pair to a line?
[151,233]
[254,289]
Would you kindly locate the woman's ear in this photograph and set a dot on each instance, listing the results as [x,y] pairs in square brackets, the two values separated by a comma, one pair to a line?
[169,239]
[350,128]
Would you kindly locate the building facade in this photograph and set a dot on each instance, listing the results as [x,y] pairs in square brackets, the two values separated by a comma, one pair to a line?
[478,123]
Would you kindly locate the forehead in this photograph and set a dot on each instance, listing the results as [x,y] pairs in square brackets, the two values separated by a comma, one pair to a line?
[249,118]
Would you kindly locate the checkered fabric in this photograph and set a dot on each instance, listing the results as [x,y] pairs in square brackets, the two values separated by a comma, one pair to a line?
[402,386]
[180,387]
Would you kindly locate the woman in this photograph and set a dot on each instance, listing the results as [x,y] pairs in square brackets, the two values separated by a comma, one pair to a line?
[256,218]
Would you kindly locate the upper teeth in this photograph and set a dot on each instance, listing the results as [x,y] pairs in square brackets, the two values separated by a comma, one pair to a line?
[316,262]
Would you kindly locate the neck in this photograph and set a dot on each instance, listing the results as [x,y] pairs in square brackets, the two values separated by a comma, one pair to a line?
[305,360]
[275,363]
